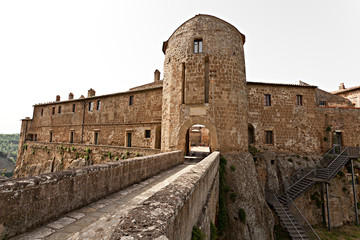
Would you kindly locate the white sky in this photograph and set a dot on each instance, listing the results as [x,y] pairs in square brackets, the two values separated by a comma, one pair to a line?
[56,47]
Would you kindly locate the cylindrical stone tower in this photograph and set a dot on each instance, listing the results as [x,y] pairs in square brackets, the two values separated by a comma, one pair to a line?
[205,83]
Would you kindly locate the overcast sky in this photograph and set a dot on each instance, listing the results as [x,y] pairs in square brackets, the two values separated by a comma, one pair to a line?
[50,48]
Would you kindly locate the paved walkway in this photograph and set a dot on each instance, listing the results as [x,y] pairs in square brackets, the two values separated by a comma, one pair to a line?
[98,220]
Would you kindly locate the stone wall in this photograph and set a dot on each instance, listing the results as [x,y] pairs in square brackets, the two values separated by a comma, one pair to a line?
[41,157]
[172,212]
[294,127]
[299,129]
[28,203]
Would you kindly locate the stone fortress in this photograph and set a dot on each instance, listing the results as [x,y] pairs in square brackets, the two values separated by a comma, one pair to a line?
[204,84]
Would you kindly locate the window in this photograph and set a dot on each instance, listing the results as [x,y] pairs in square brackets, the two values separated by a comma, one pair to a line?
[71,137]
[96,138]
[198,46]
[59,110]
[98,105]
[269,137]
[53,110]
[50,139]
[74,107]
[91,106]
[35,139]
[42,112]
[147,133]
[128,135]
[299,100]
[322,103]
[131,100]
[267,100]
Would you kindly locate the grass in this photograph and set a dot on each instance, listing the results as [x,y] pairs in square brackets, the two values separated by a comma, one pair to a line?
[347,232]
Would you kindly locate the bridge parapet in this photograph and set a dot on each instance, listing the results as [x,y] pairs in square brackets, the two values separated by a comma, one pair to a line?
[29,202]
[173,211]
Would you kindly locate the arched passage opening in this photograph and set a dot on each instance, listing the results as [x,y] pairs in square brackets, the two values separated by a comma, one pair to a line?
[198,141]
[251,133]
[197,135]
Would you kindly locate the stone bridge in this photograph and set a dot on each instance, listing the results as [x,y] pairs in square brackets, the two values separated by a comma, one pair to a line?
[151,197]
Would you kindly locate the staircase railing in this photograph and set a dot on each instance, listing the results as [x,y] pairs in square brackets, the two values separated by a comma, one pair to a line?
[276,201]
[304,172]
[310,232]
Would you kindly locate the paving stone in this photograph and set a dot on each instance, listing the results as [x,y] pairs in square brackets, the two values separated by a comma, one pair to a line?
[62,222]
[76,215]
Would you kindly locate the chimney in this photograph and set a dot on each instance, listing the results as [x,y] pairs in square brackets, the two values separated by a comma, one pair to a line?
[156,75]
[91,93]
[342,86]
[71,96]
[58,98]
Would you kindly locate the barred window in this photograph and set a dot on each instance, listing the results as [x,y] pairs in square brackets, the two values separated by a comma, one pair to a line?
[267,100]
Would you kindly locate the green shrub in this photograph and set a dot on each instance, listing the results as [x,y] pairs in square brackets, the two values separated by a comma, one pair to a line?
[87,150]
[25,146]
[328,129]
[127,153]
[197,234]
[242,215]
[325,139]
[138,154]
[341,174]
[232,168]
[87,157]
[116,158]
[213,231]
[291,160]
[109,155]
[233,196]
[73,149]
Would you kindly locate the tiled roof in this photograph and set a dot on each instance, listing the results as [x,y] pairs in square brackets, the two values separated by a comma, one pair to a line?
[345,90]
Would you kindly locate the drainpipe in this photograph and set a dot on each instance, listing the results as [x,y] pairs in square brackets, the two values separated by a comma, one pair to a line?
[327,205]
[82,126]
[354,193]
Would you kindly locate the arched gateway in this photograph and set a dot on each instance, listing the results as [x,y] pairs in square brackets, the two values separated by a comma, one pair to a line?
[183,131]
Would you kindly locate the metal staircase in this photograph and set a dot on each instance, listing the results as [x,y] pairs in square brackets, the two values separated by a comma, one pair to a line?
[282,197]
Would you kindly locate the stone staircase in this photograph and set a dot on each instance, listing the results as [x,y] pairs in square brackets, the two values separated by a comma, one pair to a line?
[282,197]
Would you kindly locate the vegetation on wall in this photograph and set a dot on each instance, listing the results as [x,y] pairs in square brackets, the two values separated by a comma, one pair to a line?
[223,189]
[197,234]
[9,145]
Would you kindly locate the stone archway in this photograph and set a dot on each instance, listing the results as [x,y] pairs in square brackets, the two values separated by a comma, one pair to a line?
[183,132]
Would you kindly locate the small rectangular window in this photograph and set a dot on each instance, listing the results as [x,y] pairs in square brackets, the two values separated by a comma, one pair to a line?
[299,100]
[267,100]
[51,135]
[42,112]
[71,137]
[96,138]
[322,103]
[53,110]
[198,46]
[269,137]
[128,139]
[98,105]
[35,138]
[59,110]
[131,100]
[74,107]
[91,106]
[147,133]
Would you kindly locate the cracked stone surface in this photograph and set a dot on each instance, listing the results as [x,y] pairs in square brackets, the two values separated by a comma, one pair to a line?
[98,220]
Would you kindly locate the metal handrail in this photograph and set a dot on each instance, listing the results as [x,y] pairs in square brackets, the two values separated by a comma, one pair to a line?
[303,218]
[287,215]
[295,176]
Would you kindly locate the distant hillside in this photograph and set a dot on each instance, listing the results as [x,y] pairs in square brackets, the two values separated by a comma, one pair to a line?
[6,164]
[9,146]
